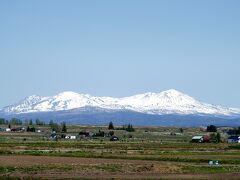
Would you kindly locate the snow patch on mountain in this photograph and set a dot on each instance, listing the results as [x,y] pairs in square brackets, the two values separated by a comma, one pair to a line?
[166,102]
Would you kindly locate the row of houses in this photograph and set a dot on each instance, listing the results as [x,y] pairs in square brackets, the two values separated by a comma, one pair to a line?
[56,136]
[18,129]
[206,139]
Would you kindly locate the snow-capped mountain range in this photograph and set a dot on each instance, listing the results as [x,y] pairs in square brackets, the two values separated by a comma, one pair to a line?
[166,102]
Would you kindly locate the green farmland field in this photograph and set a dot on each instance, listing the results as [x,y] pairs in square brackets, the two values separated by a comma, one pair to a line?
[147,153]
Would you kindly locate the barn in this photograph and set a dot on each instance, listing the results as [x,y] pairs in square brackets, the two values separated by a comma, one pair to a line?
[201,139]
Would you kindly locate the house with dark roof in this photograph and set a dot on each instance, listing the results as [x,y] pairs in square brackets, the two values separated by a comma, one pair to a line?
[114,138]
[234,139]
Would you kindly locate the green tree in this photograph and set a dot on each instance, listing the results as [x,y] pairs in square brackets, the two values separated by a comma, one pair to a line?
[181,130]
[213,137]
[99,134]
[2,121]
[130,128]
[110,126]
[39,122]
[55,127]
[30,122]
[111,133]
[218,138]
[33,129]
[64,127]
[15,121]
[234,131]
[211,128]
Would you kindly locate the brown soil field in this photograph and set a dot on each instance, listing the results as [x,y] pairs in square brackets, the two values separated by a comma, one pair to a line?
[90,168]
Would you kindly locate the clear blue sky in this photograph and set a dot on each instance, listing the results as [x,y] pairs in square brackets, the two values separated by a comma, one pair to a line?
[120,48]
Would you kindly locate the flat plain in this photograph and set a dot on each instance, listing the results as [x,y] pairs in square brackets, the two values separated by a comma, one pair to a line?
[146,153]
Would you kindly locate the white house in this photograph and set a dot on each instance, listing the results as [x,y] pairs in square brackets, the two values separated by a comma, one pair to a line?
[70,137]
[73,137]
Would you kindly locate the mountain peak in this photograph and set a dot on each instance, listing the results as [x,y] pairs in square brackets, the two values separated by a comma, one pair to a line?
[166,102]
[33,97]
[172,92]
[68,93]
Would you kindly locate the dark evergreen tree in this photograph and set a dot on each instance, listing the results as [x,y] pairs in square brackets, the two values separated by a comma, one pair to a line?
[218,138]
[110,126]
[99,134]
[213,137]
[211,128]
[15,121]
[39,122]
[181,130]
[55,127]
[2,121]
[111,133]
[234,131]
[33,129]
[130,128]
[64,127]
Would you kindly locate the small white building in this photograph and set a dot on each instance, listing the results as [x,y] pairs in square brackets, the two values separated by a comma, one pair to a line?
[70,137]
[67,137]
[197,139]
[73,137]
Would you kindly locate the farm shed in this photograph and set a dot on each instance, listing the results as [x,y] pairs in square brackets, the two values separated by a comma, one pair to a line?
[197,139]
[70,137]
[234,139]
[201,139]
[114,138]
[73,137]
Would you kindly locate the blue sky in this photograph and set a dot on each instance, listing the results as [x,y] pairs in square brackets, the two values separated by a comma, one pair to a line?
[120,48]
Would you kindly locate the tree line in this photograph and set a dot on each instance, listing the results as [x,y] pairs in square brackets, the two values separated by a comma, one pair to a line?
[30,123]
[16,121]
[128,127]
